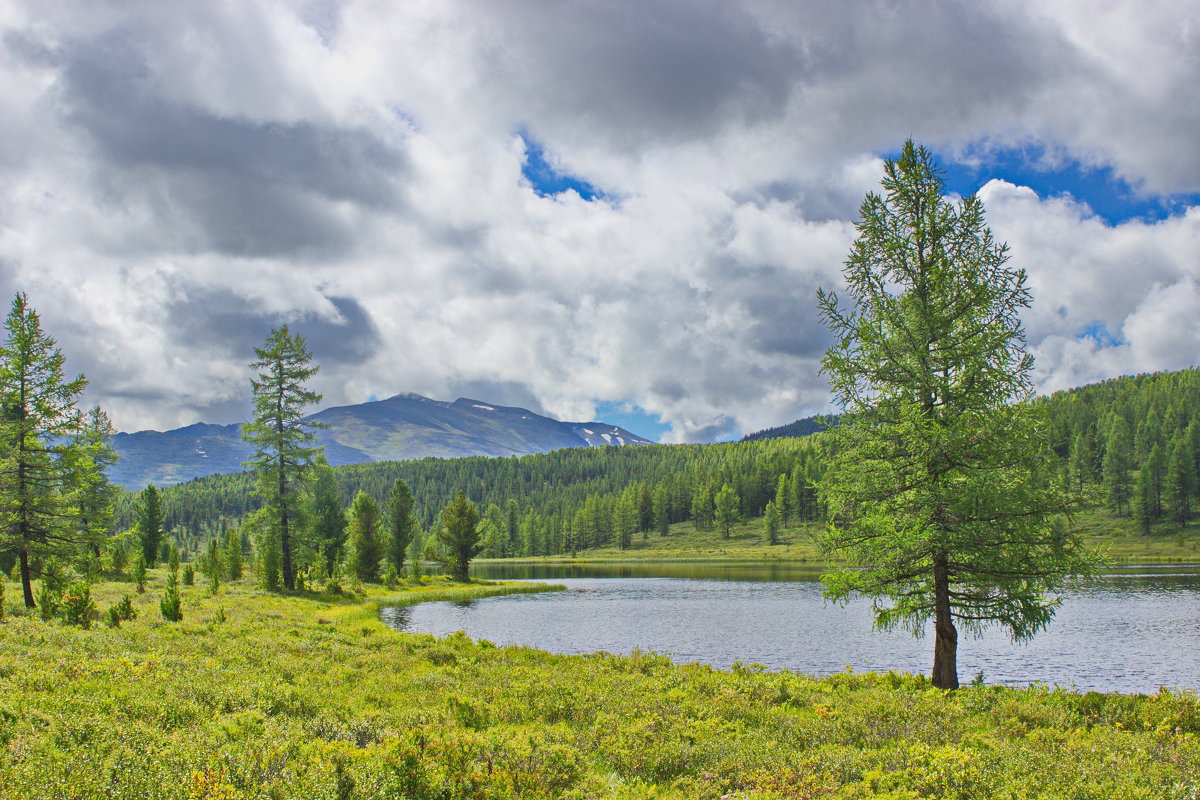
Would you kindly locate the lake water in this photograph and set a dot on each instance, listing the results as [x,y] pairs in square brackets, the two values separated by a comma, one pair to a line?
[1129,630]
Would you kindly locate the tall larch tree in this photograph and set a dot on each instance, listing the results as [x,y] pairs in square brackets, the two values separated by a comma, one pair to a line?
[940,484]
[38,416]
[284,442]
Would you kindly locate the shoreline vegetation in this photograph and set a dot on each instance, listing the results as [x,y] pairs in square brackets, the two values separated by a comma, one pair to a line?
[256,695]
[1118,540]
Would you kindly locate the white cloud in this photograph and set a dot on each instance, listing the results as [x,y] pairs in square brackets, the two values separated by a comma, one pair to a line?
[176,178]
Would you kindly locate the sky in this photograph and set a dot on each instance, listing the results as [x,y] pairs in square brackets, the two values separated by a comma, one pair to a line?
[618,209]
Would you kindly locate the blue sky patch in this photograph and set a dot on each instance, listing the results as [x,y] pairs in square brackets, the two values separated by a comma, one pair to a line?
[1111,197]
[545,179]
[632,418]
[1099,333]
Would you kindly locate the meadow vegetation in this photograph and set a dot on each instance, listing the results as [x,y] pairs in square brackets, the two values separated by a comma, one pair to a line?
[265,695]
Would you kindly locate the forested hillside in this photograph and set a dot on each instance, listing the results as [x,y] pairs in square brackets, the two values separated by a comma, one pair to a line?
[1133,444]
[550,503]
[1129,445]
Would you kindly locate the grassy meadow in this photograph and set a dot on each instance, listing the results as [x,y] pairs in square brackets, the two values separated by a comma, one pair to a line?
[255,695]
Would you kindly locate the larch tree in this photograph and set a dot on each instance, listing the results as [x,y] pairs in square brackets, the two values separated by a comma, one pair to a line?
[459,538]
[148,518]
[940,485]
[727,509]
[326,519]
[283,440]
[38,416]
[400,523]
[363,542]
[92,455]
[1118,484]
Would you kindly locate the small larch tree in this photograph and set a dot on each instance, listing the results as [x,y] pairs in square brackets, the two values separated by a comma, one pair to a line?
[727,509]
[460,537]
[940,487]
[283,440]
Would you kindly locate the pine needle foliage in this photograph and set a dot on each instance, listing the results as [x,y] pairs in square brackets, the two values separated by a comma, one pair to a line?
[941,484]
[283,440]
[37,416]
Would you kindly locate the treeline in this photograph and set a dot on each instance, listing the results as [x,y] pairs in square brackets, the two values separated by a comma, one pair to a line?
[550,503]
[1133,443]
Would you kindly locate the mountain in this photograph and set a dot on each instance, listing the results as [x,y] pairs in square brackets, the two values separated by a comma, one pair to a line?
[406,426]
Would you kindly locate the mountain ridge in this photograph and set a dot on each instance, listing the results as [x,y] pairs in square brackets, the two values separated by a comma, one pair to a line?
[402,427]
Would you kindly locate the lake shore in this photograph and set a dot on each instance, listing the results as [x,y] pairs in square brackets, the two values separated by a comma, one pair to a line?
[309,696]
[1117,538]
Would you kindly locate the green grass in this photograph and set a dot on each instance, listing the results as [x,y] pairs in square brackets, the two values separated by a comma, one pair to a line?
[747,540]
[257,695]
[1117,537]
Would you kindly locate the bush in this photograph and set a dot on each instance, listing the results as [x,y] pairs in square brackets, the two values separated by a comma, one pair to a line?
[47,600]
[120,612]
[189,576]
[77,607]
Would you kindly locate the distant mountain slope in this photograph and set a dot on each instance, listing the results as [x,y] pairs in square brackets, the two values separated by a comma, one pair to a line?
[406,426]
[801,427]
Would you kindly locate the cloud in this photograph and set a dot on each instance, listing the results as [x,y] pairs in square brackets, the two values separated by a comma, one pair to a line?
[178,178]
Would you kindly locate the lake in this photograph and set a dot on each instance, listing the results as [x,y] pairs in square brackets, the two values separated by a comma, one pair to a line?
[1130,629]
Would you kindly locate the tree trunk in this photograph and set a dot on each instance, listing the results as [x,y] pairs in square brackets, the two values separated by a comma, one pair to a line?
[26,581]
[945,643]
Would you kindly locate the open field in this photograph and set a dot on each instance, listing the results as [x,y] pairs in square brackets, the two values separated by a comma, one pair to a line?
[264,696]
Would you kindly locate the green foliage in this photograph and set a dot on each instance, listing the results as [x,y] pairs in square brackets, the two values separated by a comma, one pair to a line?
[267,547]
[256,695]
[283,440]
[400,523]
[171,604]
[726,509]
[940,485]
[772,521]
[326,519]
[119,612]
[118,554]
[139,572]
[149,516]
[76,606]
[460,536]
[36,455]
[363,540]
[90,456]
[233,555]
[189,575]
